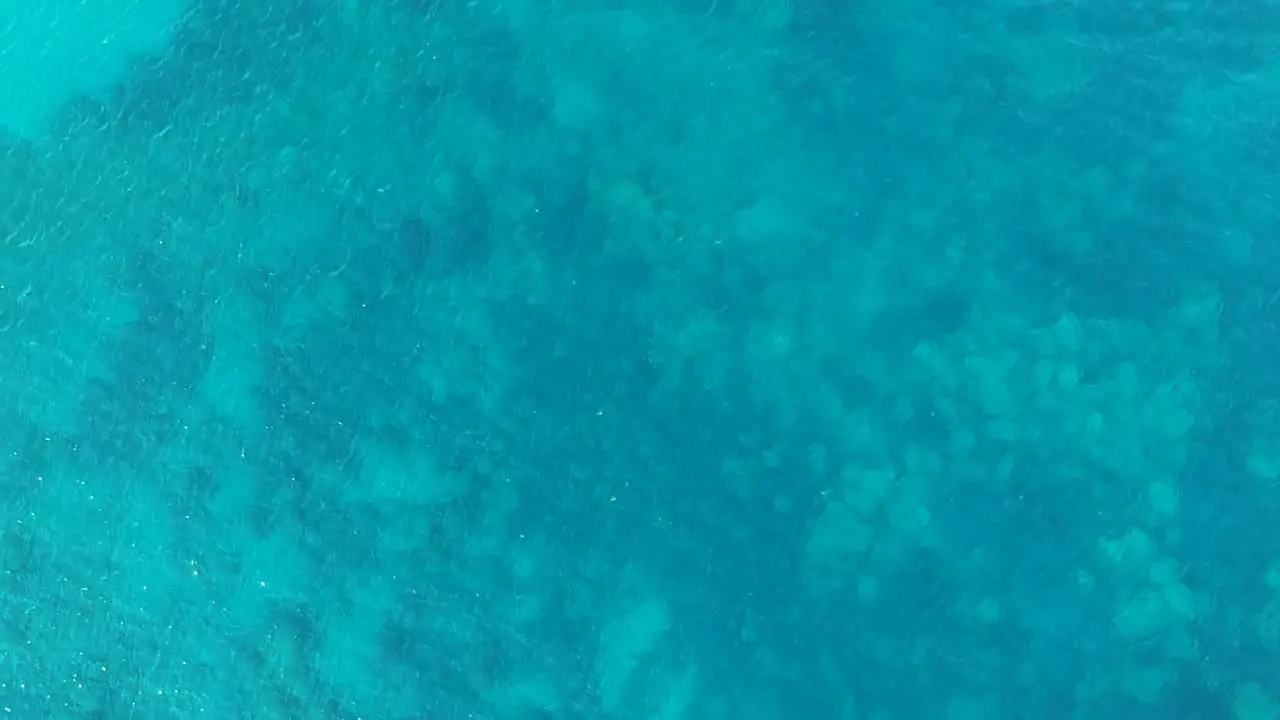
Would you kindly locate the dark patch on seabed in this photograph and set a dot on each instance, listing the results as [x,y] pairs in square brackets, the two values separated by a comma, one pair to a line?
[155,367]
[1222,511]
[455,242]
[223,54]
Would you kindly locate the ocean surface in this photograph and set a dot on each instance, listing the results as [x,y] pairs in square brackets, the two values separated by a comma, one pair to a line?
[639,360]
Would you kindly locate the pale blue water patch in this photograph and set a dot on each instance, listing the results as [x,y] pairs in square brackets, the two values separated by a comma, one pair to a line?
[55,51]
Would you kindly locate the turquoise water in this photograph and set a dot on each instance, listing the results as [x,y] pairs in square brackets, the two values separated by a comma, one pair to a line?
[687,360]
